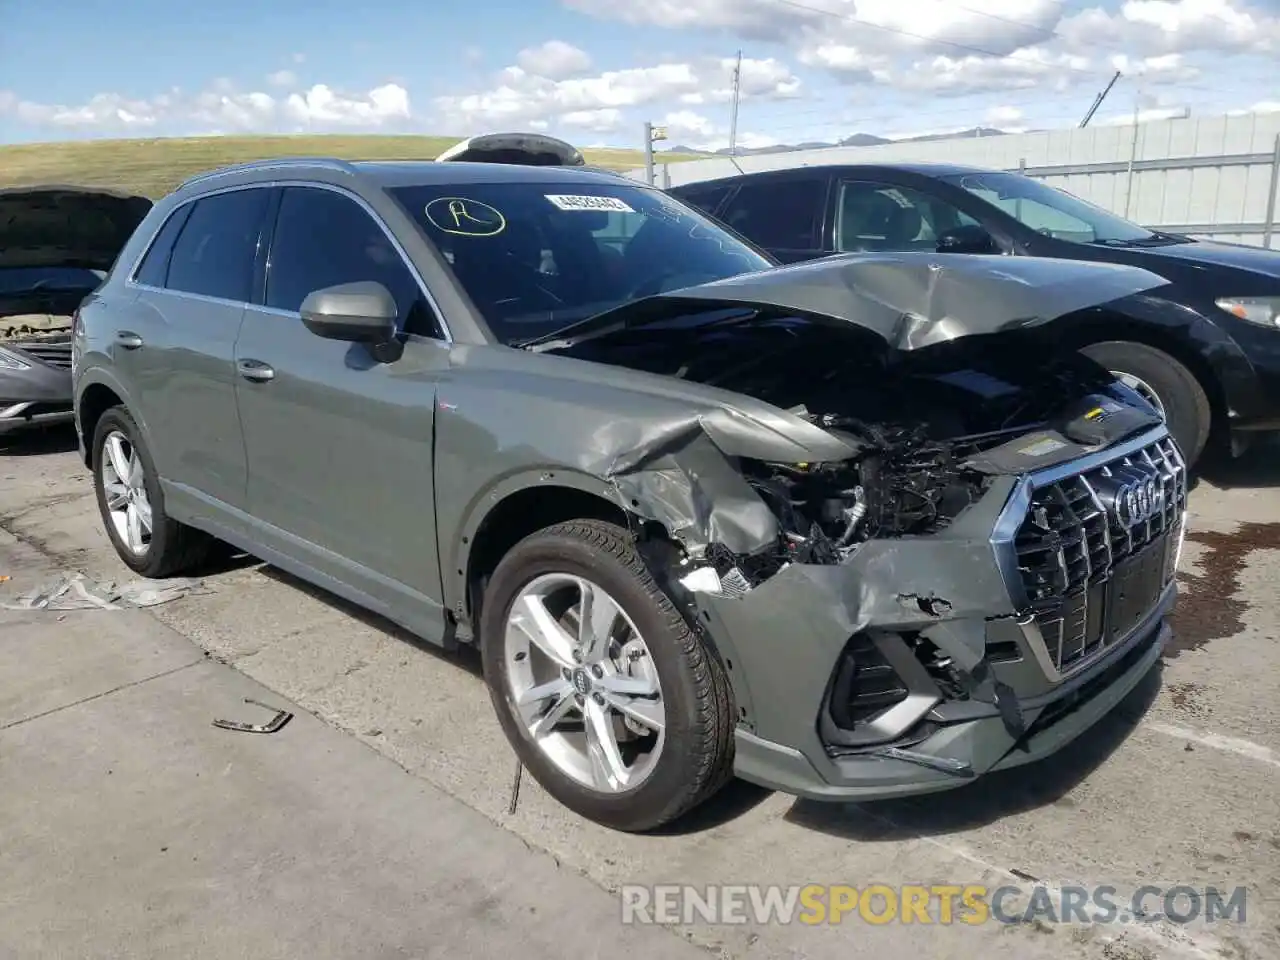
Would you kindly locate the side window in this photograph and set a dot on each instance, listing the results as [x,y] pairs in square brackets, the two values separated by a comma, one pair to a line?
[888,217]
[214,255]
[155,265]
[781,214]
[322,239]
[706,199]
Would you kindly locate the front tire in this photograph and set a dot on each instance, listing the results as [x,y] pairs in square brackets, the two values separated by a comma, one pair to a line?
[1167,383]
[622,713]
[131,502]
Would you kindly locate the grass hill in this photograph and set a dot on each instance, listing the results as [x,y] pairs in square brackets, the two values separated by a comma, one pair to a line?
[154,167]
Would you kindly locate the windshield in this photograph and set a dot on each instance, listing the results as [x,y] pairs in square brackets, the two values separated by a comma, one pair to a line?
[17,281]
[1050,211]
[536,257]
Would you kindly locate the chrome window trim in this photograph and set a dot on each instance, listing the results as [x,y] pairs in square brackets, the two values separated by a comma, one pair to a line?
[311,184]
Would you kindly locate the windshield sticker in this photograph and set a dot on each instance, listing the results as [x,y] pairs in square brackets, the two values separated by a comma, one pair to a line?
[608,204]
[465,218]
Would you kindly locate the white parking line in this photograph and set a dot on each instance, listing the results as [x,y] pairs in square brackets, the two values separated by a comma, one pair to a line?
[1243,748]
[1177,940]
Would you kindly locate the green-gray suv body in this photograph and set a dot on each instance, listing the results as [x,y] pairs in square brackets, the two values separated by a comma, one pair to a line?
[851,529]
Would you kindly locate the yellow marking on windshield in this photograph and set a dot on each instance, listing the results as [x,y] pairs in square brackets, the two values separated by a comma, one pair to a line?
[465,218]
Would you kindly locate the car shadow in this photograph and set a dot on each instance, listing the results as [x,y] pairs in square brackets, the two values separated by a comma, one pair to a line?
[1258,467]
[466,656]
[992,797]
[39,441]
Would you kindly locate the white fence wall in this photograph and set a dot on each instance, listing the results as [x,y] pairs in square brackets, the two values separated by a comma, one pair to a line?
[1205,176]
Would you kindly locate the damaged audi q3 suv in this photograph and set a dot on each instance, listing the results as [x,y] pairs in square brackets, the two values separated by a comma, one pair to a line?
[850,529]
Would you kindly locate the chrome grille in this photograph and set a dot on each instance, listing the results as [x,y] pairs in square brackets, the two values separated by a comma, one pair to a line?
[54,354]
[1096,550]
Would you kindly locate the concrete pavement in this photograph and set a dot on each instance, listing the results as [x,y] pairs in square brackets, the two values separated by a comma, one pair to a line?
[1179,786]
[135,828]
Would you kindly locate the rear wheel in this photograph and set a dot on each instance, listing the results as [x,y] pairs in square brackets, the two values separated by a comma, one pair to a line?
[1166,384]
[131,503]
[608,697]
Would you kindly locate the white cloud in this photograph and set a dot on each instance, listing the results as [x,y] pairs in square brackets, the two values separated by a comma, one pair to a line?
[320,105]
[605,120]
[283,78]
[1262,106]
[1164,68]
[519,96]
[1172,26]
[554,60]
[299,58]
[848,62]
[683,124]
[998,26]
[959,76]
[1003,117]
[687,128]
[221,107]
[1146,115]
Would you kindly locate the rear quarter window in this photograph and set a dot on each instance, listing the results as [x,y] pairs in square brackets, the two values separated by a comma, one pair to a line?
[154,268]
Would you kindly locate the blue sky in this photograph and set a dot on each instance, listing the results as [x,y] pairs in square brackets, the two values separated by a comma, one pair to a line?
[594,70]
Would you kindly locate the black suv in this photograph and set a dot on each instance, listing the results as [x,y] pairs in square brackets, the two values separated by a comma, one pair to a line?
[1206,351]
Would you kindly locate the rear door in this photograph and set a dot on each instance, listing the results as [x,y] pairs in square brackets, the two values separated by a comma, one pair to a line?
[782,214]
[176,346]
[340,445]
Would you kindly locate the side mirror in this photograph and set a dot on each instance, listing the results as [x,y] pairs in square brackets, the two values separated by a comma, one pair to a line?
[969,238]
[363,312]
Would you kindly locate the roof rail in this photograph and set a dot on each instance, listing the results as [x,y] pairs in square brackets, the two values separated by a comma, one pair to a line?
[327,163]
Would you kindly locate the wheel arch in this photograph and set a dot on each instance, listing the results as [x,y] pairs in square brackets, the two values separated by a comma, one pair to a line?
[1118,328]
[93,400]
[514,508]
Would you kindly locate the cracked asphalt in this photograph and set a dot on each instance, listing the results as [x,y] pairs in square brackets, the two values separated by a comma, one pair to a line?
[1180,786]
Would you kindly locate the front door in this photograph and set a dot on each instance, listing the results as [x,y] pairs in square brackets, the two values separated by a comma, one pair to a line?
[339,445]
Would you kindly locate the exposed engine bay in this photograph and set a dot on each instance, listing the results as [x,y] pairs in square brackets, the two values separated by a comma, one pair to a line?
[932,428]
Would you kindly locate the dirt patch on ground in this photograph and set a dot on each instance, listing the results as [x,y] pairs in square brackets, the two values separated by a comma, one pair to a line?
[1207,608]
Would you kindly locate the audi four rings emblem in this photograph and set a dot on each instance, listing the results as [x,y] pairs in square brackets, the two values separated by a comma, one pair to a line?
[1139,501]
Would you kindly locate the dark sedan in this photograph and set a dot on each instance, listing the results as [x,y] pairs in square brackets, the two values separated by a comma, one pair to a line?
[1205,349]
[56,244]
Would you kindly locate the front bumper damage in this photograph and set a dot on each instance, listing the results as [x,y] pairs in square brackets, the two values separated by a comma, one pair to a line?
[1010,678]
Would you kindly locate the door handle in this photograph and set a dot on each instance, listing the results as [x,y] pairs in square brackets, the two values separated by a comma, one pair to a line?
[255,370]
[128,339]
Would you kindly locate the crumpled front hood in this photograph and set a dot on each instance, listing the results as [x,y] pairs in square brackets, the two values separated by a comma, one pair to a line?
[912,300]
[66,226]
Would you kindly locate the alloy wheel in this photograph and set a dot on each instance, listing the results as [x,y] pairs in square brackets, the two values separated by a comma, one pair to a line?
[125,489]
[582,681]
[1142,388]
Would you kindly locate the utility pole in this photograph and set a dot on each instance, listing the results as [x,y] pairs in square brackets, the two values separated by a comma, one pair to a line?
[648,153]
[1133,153]
[1097,102]
[733,110]
[651,135]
